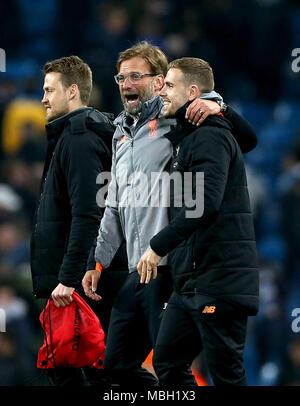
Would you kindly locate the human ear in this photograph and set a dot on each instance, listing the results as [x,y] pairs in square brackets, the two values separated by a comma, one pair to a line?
[194,92]
[73,91]
[158,82]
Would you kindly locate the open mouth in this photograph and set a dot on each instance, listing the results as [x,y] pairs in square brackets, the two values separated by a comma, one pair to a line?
[166,105]
[131,98]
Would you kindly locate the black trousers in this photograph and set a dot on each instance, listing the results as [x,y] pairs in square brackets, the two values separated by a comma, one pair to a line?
[194,323]
[134,325]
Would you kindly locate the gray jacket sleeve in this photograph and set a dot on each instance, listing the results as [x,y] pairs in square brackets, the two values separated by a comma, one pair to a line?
[110,234]
[212,96]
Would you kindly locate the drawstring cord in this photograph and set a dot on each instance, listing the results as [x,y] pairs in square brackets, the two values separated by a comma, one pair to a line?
[51,343]
[44,372]
[47,345]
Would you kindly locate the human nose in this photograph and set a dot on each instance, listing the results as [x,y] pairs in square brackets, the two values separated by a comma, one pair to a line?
[163,91]
[44,99]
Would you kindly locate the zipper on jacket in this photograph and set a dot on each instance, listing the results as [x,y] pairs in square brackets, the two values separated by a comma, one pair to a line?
[195,276]
[133,193]
[125,134]
[131,140]
[38,204]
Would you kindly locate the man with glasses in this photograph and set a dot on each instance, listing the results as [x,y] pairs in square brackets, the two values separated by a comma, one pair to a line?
[139,151]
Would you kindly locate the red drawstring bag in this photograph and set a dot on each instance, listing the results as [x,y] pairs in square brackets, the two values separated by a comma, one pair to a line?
[73,336]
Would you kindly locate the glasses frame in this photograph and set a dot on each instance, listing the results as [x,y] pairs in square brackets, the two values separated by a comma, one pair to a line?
[140,76]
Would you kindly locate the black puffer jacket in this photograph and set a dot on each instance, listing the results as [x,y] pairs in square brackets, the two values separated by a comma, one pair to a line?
[213,254]
[68,216]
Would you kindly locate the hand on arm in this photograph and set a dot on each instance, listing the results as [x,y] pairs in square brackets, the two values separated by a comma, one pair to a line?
[200,109]
[147,266]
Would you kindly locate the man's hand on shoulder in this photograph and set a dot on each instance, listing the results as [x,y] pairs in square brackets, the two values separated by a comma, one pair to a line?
[62,295]
[200,109]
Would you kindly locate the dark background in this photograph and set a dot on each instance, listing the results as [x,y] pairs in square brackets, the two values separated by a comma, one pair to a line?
[249,44]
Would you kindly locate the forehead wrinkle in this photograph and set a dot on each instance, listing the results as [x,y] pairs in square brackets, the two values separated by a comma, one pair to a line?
[134,63]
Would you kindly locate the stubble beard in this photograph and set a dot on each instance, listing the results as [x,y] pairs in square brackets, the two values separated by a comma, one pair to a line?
[144,96]
[56,114]
[167,113]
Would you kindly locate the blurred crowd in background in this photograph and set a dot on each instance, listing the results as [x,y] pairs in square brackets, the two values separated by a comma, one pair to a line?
[249,44]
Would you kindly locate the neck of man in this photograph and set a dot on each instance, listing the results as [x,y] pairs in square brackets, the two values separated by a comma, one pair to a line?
[77,106]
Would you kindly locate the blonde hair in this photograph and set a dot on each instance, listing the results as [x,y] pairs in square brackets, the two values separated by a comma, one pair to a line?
[73,71]
[195,71]
[150,53]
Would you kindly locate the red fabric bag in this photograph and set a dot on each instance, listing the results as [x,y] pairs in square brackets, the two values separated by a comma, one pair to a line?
[73,336]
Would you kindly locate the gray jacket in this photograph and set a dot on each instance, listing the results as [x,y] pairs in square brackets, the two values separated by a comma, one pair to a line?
[137,204]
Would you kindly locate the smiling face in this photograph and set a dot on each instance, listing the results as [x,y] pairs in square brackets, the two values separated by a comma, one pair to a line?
[176,92]
[133,96]
[55,100]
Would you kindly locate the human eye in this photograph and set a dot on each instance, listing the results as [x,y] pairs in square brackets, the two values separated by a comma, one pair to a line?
[135,76]
[121,78]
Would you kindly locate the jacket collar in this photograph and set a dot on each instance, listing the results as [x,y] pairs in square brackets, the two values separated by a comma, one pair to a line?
[103,128]
[184,128]
[56,127]
[151,108]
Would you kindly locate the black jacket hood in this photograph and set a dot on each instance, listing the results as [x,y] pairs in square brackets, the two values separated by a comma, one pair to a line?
[185,128]
[99,123]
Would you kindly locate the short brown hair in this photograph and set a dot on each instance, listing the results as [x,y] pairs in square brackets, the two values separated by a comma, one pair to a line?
[195,71]
[150,53]
[73,71]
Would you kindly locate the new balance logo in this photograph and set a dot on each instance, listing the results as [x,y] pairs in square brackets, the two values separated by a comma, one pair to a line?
[209,309]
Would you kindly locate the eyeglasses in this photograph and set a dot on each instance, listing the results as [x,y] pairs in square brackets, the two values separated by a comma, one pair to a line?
[133,77]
